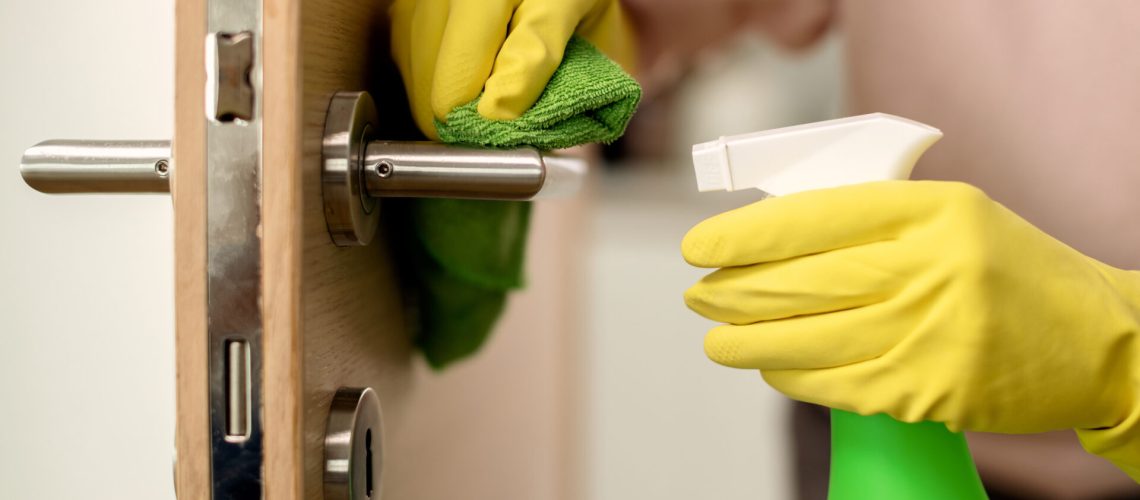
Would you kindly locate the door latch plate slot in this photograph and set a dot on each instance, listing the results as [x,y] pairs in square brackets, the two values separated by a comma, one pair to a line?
[229,67]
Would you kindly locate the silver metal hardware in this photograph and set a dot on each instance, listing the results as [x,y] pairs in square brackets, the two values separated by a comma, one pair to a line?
[70,166]
[354,452]
[229,62]
[358,169]
[382,168]
[233,248]
[433,170]
[424,169]
[237,390]
[351,216]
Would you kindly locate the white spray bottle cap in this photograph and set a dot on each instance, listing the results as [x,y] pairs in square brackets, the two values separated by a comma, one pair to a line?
[817,155]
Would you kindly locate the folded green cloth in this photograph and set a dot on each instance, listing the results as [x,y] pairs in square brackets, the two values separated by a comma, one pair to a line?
[589,99]
[472,252]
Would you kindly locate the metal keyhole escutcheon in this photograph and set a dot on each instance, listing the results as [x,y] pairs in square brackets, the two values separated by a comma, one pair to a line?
[354,452]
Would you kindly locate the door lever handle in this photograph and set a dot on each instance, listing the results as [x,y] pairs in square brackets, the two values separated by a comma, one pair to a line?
[433,170]
[358,168]
[78,166]
[393,169]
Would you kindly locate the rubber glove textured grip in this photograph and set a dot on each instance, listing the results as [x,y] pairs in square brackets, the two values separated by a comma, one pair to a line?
[924,301]
[451,51]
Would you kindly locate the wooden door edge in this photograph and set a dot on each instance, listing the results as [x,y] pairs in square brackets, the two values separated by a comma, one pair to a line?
[281,215]
[281,249]
[188,190]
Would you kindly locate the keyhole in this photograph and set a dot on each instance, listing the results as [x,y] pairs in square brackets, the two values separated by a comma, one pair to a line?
[368,462]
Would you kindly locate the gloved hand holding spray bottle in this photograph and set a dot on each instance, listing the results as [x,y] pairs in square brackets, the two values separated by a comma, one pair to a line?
[921,301]
[917,300]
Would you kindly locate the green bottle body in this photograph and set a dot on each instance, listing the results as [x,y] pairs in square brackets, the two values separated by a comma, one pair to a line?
[878,457]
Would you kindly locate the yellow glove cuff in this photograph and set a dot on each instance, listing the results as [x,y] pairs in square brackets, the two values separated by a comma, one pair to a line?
[1119,444]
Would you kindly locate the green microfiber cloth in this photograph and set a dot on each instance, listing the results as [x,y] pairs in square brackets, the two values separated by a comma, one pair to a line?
[472,255]
[472,252]
[589,99]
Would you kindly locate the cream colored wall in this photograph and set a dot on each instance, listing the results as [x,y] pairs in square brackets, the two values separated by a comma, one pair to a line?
[86,359]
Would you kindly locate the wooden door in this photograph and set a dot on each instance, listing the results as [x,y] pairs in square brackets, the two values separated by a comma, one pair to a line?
[499,426]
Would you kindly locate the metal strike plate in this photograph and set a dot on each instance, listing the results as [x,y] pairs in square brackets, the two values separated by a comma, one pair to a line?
[357,169]
[354,452]
[233,248]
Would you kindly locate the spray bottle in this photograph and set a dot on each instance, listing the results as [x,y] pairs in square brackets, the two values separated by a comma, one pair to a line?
[872,457]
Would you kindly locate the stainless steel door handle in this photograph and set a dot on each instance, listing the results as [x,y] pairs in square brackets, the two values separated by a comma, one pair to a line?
[430,170]
[77,166]
[358,168]
[393,169]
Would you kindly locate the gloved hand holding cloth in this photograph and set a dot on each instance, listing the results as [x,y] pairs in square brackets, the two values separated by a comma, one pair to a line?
[452,51]
[924,301]
[499,73]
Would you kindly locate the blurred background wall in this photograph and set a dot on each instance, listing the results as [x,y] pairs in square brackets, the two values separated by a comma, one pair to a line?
[663,421]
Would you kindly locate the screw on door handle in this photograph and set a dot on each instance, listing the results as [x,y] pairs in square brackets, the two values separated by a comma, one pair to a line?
[358,168]
[76,166]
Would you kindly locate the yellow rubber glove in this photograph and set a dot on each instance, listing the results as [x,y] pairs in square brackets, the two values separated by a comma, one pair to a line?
[924,301]
[449,51]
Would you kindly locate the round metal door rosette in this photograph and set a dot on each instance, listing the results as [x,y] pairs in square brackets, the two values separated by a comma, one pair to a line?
[351,215]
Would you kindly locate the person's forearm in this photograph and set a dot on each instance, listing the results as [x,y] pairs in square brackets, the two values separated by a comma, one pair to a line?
[1050,465]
